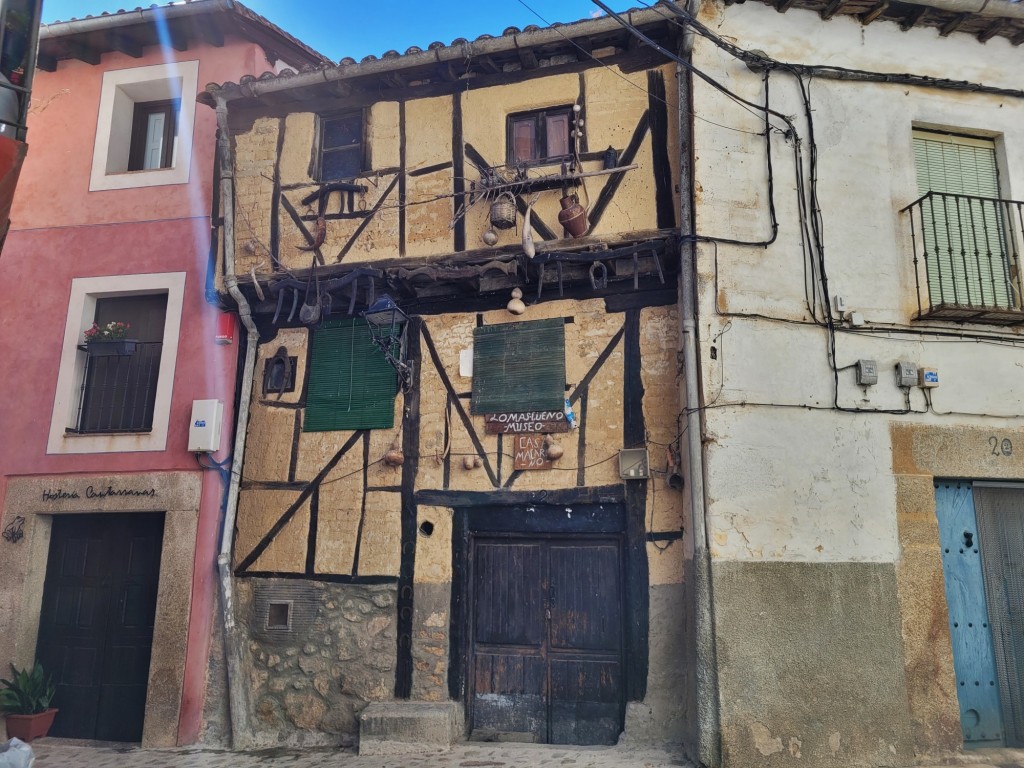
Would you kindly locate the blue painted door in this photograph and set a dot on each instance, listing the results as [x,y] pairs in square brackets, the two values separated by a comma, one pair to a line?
[973,658]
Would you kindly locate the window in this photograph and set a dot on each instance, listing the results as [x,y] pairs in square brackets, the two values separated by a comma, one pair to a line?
[519,367]
[351,385]
[119,391]
[120,402]
[341,146]
[144,127]
[154,126]
[538,136]
[962,221]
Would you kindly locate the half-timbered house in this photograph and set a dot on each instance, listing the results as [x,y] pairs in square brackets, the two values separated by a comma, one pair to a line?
[472,518]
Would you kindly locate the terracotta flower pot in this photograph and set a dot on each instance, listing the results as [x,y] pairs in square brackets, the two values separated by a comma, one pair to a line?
[29,727]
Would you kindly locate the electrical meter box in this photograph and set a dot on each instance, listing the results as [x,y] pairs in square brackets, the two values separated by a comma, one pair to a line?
[204,429]
[906,374]
[867,372]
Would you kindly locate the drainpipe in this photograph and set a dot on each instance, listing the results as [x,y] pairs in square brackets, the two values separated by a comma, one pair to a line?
[241,730]
[708,737]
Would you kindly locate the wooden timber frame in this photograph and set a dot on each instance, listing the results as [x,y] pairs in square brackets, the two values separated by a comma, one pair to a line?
[628,267]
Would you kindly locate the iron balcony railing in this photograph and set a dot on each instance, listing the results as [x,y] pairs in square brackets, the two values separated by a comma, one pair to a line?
[967,257]
[119,391]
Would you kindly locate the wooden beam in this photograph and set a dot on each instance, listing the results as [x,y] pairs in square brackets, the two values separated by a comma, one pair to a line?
[992,30]
[526,57]
[874,12]
[830,10]
[489,65]
[209,32]
[913,17]
[178,37]
[84,52]
[952,25]
[46,62]
[783,5]
[1018,38]
[122,43]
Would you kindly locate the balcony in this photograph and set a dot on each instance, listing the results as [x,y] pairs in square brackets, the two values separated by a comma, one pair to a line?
[119,392]
[967,258]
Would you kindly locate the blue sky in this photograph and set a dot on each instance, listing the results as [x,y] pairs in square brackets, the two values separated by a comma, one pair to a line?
[339,28]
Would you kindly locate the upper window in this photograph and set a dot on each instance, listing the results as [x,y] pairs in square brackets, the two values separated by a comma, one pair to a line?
[519,367]
[962,224]
[154,127]
[144,127]
[539,136]
[351,384]
[341,146]
[114,397]
[119,391]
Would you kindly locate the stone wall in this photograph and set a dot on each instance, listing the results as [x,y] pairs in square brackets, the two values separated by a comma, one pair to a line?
[308,684]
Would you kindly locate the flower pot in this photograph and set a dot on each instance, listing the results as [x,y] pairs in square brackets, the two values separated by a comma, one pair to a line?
[29,727]
[111,347]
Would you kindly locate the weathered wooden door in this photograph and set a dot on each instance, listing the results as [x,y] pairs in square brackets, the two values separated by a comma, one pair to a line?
[96,623]
[973,657]
[547,638]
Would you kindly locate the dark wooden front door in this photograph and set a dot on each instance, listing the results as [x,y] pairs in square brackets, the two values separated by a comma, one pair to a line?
[96,624]
[546,650]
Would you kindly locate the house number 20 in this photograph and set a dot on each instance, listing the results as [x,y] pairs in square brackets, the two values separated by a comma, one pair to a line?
[1001,447]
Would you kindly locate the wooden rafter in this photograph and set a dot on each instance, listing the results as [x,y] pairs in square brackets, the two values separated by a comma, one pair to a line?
[874,12]
[84,52]
[992,30]
[830,10]
[952,25]
[125,44]
[913,17]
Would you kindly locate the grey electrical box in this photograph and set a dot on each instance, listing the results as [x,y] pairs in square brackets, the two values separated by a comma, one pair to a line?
[633,464]
[867,372]
[906,374]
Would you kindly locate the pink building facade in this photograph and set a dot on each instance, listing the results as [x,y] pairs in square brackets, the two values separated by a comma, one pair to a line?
[111,523]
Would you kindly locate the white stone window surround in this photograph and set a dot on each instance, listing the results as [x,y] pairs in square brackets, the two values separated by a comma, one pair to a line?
[122,89]
[81,311]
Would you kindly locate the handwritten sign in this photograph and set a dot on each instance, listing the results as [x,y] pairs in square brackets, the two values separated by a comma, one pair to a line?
[93,492]
[528,452]
[530,422]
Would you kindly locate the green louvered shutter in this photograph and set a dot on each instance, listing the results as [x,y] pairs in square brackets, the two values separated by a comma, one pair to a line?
[519,367]
[964,239]
[351,385]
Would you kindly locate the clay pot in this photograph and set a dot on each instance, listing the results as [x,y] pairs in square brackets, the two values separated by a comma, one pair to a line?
[572,217]
[394,457]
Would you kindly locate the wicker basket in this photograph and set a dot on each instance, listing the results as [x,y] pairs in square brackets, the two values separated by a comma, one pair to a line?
[503,212]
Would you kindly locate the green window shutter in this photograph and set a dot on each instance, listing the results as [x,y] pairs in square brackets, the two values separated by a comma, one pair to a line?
[351,385]
[519,367]
[964,238]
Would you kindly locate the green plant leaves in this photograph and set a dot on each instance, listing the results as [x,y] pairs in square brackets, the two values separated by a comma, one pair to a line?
[29,692]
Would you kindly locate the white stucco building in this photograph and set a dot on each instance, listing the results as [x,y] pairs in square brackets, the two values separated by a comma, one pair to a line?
[854,209]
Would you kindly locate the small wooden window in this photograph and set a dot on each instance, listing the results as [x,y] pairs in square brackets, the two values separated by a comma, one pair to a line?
[519,367]
[341,146]
[351,384]
[539,136]
[154,128]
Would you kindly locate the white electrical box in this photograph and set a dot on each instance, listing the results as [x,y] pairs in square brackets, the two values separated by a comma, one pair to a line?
[867,372]
[928,377]
[204,429]
[906,374]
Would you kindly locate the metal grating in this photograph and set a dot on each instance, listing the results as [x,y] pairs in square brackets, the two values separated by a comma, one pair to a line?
[304,602]
[1000,514]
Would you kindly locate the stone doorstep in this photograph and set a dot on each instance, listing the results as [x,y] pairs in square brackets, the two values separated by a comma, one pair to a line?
[410,727]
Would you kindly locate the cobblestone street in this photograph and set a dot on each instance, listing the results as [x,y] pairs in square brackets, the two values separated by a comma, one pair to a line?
[60,753]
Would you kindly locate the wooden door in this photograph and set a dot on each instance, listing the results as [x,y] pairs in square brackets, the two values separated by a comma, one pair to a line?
[547,638]
[969,630]
[96,623]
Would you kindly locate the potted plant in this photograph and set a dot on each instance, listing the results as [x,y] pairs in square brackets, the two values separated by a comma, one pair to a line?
[109,340]
[26,701]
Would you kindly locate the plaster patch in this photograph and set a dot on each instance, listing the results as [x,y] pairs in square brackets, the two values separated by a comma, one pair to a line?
[763,740]
[794,746]
[834,741]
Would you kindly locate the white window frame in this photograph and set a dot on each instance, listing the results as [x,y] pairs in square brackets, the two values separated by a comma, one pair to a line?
[81,312]
[121,90]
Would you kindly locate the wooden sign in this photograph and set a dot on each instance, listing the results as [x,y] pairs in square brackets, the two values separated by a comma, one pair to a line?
[530,422]
[528,452]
